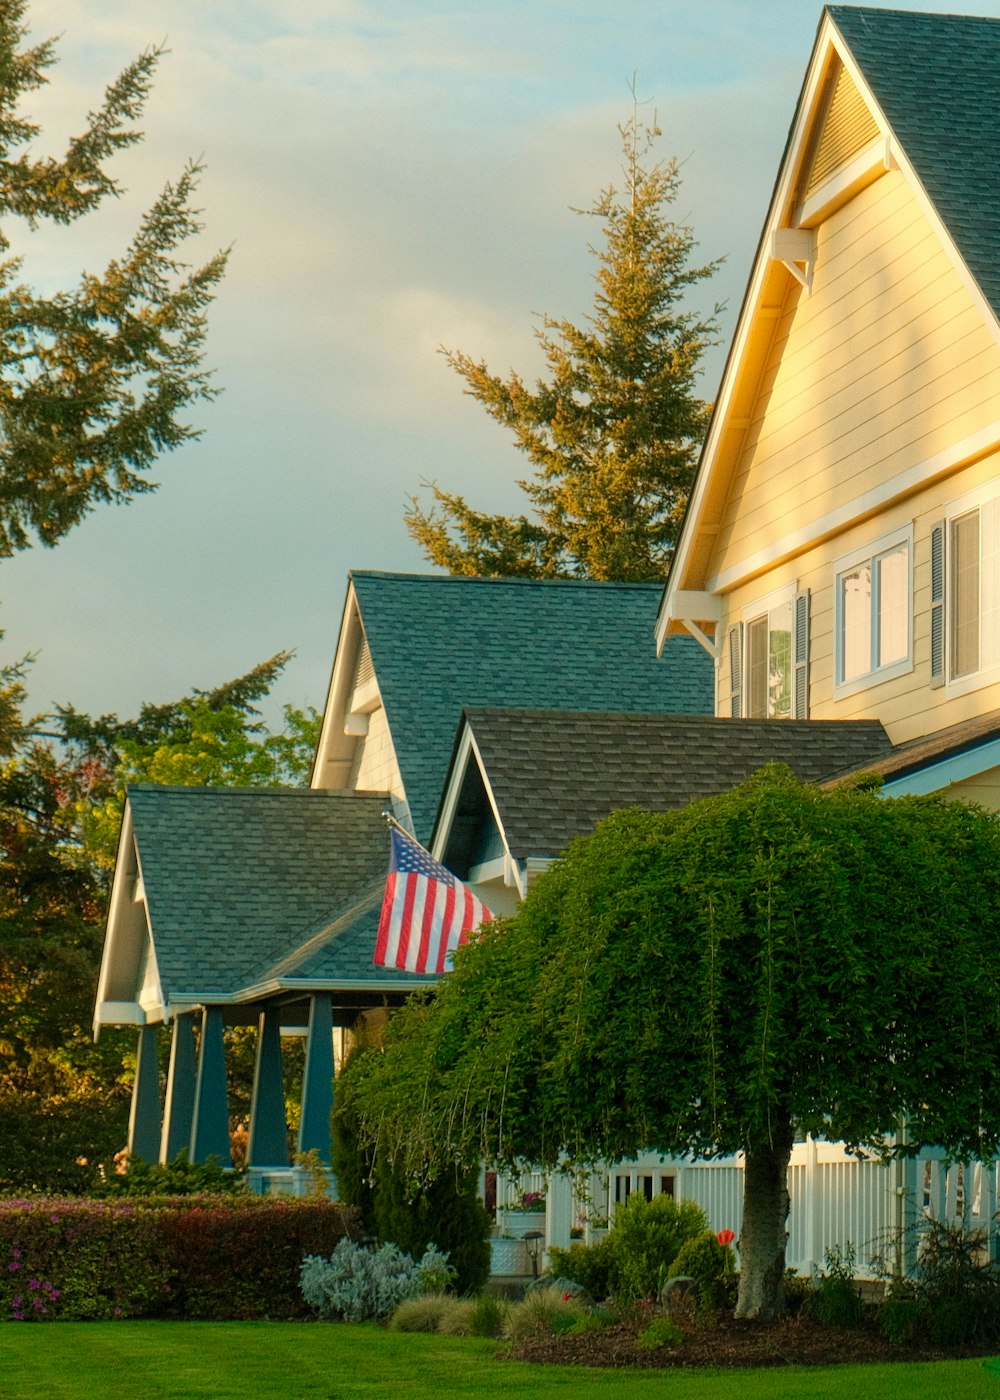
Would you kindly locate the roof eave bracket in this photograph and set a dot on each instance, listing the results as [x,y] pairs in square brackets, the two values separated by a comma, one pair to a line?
[795,249]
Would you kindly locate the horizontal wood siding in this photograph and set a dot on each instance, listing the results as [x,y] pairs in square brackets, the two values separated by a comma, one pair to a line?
[906,705]
[886,363]
[375,767]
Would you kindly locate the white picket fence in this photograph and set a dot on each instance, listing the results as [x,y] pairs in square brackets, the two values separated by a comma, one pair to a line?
[837,1200]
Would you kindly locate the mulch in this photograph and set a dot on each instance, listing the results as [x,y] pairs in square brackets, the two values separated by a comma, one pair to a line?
[725,1342]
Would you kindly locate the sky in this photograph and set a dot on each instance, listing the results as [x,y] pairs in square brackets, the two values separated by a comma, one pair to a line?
[393,176]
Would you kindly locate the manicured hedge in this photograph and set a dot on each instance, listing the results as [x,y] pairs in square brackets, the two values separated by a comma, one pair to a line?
[212,1258]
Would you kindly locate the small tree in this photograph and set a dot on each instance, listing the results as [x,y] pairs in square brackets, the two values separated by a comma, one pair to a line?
[93,381]
[614,432]
[711,980]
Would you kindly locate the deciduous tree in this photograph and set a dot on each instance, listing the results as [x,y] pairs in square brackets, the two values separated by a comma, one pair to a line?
[613,432]
[710,981]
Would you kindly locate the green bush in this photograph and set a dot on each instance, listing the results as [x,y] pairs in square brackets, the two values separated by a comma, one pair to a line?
[592,1266]
[177,1178]
[899,1316]
[706,1261]
[661,1332]
[836,1300]
[446,1212]
[213,1258]
[957,1287]
[646,1239]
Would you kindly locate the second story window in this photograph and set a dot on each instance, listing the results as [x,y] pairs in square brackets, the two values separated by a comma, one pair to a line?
[965,593]
[873,616]
[768,658]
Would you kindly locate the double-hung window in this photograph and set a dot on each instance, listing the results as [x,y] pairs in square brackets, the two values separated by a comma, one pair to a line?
[873,616]
[768,658]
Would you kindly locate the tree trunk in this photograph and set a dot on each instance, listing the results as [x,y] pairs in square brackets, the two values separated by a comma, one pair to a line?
[763,1237]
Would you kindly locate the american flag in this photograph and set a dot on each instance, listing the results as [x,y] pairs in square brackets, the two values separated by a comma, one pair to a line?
[426,912]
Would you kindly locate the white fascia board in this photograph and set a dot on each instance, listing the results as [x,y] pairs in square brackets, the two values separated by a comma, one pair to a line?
[780,202]
[468,750]
[935,777]
[122,885]
[119,1013]
[338,697]
[276,985]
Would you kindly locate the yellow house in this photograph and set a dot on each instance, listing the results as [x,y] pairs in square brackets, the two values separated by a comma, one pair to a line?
[841,554]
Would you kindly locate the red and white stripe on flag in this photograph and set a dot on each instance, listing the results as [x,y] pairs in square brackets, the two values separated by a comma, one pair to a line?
[426,912]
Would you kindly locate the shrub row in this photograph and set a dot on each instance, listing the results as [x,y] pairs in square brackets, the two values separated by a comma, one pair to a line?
[206,1257]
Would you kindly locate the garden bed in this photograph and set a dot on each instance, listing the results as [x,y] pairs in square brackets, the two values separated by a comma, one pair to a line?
[725,1341]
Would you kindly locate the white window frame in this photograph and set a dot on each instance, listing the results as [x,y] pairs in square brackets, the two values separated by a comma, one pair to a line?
[753,612]
[978,500]
[871,554]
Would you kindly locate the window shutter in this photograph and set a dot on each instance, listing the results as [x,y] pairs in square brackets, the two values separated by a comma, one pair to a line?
[800,655]
[938,536]
[736,670]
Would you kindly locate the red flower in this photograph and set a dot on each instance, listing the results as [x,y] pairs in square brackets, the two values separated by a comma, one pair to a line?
[725,1237]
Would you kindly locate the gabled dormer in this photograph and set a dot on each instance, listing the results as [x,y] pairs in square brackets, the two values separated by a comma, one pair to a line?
[840,555]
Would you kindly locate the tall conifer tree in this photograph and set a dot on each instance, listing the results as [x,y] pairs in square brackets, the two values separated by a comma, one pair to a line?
[614,431]
[94,381]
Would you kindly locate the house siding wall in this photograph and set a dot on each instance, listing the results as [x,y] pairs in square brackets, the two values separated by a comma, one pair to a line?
[375,768]
[888,364]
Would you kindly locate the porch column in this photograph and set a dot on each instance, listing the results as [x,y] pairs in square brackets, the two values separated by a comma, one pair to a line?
[144,1116]
[268,1144]
[178,1111]
[317,1081]
[210,1118]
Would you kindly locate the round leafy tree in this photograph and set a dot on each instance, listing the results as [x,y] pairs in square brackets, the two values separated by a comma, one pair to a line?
[710,981]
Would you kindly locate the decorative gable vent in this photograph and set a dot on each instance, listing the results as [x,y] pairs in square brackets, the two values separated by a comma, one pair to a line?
[845,127]
[365,671]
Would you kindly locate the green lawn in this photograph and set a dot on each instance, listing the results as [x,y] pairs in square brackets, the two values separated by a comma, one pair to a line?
[283,1361]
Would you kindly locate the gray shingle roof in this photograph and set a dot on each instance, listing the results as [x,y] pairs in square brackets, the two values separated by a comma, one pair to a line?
[441,643]
[555,774]
[937,80]
[238,878]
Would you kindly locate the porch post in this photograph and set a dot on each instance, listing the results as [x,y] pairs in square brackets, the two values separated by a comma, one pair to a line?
[268,1144]
[179,1109]
[317,1081]
[210,1118]
[144,1116]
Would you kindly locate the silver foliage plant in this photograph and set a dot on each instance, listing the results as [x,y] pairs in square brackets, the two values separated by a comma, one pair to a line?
[356,1283]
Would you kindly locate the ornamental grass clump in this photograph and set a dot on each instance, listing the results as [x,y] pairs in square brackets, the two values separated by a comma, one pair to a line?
[544,1312]
[357,1284]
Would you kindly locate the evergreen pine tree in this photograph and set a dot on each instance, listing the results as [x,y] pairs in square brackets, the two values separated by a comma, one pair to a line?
[615,430]
[94,381]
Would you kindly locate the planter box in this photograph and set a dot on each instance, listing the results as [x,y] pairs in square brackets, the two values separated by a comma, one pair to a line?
[509,1259]
[519,1222]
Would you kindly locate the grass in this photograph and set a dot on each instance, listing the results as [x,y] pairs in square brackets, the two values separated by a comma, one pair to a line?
[288,1361]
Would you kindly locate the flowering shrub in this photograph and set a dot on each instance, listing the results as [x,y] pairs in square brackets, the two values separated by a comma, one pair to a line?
[356,1283]
[212,1258]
